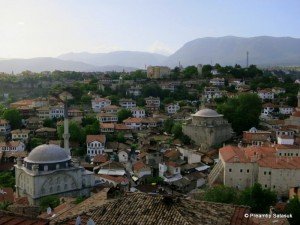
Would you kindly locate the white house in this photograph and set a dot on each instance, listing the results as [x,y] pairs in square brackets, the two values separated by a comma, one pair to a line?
[285,139]
[217,81]
[152,103]
[138,112]
[286,110]
[56,111]
[20,134]
[133,123]
[4,127]
[112,109]
[100,103]
[107,118]
[169,171]
[212,92]
[95,144]
[266,94]
[13,146]
[172,108]
[267,109]
[135,91]
[140,169]
[127,103]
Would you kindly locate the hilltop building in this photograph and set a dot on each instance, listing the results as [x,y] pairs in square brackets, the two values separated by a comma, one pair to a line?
[207,128]
[156,72]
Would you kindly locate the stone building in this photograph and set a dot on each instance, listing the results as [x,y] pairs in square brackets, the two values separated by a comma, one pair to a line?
[275,167]
[207,128]
[156,72]
[48,170]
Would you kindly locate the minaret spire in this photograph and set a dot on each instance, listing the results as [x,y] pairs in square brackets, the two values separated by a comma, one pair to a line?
[66,128]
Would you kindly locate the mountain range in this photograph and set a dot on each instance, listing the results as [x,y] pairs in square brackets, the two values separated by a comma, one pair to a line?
[229,50]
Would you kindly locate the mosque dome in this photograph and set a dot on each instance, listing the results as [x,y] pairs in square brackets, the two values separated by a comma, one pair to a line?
[47,154]
[207,113]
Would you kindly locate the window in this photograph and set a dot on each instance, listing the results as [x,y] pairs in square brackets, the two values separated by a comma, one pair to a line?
[269,172]
[274,186]
[241,170]
[247,171]
[265,173]
[230,170]
[266,185]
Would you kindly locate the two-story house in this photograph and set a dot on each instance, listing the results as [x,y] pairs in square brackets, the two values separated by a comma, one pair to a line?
[172,108]
[152,103]
[127,103]
[4,127]
[95,144]
[20,134]
[100,103]
[138,112]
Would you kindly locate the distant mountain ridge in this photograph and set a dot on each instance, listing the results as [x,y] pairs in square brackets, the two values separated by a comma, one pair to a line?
[122,58]
[228,50]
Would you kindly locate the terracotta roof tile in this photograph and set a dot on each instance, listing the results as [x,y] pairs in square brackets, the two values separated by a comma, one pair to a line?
[100,138]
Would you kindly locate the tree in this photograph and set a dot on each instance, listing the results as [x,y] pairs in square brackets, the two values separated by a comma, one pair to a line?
[34,142]
[257,198]
[120,137]
[293,207]
[88,120]
[221,194]
[177,130]
[242,112]
[76,132]
[49,123]
[14,118]
[49,201]
[190,71]
[124,114]
[168,124]
[92,129]
[7,179]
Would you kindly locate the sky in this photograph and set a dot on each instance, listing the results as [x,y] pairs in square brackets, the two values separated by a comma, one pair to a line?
[48,28]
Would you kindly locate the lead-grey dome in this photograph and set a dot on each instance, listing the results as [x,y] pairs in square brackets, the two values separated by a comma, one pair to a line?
[47,154]
[207,113]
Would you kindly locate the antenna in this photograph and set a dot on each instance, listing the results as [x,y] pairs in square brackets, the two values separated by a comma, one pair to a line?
[247,64]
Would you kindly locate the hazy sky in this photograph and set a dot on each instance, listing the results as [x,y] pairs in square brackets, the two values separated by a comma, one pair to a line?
[31,28]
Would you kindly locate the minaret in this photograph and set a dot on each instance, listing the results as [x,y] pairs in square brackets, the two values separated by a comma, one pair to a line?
[298,96]
[66,129]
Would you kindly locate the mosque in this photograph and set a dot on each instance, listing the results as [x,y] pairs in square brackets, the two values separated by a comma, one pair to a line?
[50,170]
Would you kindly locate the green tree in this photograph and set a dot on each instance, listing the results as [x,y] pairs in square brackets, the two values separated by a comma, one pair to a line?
[168,124]
[120,137]
[92,129]
[34,142]
[242,112]
[49,123]
[221,194]
[88,120]
[49,201]
[177,130]
[14,118]
[124,114]
[7,179]
[76,132]
[257,198]
[293,207]
[190,71]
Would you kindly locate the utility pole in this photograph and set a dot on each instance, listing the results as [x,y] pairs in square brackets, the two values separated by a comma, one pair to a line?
[247,64]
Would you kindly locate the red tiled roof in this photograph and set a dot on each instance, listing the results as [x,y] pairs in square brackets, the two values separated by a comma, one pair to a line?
[9,218]
[121,127]
[100,158]
[117,179]
[172,153]
[139,165]
[132,120]
[173,164]
[91,138]
[280,162]
[107,125]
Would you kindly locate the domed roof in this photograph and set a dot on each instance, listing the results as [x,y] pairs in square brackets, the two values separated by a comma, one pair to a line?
[47,154]
[207,113]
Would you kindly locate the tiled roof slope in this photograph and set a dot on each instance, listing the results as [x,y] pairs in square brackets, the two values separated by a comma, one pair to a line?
[141,208]
[9,218]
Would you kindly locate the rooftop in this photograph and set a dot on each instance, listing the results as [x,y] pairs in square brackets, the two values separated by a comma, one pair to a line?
[141,208]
